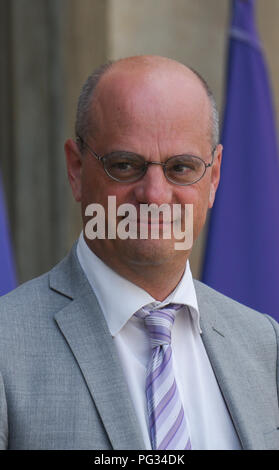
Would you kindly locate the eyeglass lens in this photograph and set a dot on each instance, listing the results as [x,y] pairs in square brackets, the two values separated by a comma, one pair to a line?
[128,167]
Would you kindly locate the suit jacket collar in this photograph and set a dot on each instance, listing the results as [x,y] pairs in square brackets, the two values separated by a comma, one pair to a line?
[84,328]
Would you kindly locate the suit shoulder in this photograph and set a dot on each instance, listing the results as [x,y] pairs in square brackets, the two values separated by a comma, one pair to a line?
[41,289]
[231,309]
[34,297]
[216,297]
[26,292]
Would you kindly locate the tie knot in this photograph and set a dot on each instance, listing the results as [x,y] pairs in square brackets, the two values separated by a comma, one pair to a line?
[159,323]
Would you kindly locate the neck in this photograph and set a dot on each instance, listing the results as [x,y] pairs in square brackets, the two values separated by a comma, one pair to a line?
[159,278]
[158,282]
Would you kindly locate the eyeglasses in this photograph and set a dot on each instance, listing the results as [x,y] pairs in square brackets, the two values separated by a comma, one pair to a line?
[128,167]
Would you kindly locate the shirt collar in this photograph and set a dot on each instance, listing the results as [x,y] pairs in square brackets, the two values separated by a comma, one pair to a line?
[119,298]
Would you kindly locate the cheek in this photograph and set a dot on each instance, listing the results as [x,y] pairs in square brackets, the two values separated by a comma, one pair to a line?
[198,195]
[97,186]
[93,181]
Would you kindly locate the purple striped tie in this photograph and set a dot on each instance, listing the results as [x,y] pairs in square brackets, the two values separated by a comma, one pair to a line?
[167,422]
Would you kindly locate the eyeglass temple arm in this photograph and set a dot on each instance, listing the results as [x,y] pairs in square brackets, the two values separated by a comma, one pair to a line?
[79,140]
[213,152]
[82,143]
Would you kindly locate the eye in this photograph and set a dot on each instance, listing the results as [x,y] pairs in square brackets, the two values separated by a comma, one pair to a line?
[121,165]
[182,167]
[124,166]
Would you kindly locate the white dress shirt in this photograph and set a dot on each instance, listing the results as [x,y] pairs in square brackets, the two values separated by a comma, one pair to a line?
[208,419]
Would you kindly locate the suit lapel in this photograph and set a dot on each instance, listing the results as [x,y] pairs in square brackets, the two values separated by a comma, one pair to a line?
[237,375]
[86,332]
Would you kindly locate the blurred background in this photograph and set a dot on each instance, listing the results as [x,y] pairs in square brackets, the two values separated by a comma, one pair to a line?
[48,48]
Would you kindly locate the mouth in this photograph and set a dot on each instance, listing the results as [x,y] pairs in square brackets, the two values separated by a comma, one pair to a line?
[149,222]
[154,221]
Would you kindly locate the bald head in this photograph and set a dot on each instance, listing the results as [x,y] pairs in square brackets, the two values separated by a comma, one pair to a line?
[163,82]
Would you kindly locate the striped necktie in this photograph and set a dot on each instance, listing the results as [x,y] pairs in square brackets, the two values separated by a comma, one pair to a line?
[167,422]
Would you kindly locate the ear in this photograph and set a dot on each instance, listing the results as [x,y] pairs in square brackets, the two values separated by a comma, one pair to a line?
[215,174]
[74,167]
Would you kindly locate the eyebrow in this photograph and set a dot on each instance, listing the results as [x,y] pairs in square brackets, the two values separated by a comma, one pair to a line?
[129,152]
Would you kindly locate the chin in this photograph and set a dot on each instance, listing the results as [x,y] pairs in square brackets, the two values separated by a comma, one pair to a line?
[148,252]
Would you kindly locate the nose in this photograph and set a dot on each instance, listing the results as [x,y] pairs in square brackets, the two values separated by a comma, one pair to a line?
[154,188]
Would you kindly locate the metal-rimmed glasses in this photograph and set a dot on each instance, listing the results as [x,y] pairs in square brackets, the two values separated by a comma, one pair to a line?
[128,167]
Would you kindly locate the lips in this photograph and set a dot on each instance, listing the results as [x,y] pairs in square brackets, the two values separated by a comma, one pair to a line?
[149,221]
[152,216]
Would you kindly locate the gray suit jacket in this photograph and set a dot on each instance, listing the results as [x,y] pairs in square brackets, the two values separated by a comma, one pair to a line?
[62,386]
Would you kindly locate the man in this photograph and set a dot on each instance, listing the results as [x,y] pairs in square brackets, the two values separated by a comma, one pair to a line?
[82,360]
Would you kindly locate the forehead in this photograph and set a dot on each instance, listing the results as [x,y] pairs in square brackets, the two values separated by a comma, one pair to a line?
[152,103]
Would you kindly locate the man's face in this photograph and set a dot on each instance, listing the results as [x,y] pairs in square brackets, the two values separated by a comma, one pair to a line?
[157,117]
